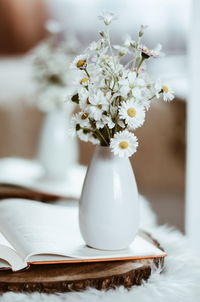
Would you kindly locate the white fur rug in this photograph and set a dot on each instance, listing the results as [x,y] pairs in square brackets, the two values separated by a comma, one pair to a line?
[180,281]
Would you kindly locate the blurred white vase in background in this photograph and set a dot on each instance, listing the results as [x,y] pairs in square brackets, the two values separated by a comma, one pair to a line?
[57,152]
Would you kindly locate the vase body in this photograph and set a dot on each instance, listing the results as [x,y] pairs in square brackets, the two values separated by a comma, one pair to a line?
[57,151]
[109,206]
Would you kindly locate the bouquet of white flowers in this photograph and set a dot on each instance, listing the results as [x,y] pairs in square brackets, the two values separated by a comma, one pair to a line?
[50,60]
[114,97]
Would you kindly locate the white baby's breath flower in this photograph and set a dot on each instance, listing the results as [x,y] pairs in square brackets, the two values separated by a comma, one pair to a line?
[51,98]
[132,113]
[121,124]
[93,47]
[97,46]
[167,93]
[129,42]
[51,74]
[124,144]
[106,120]
[107,17]
[98,104]
[131,83]
[142,29]
[122,50]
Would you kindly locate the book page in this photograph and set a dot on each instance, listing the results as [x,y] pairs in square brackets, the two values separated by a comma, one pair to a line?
[67,187]
[8,256]
[36,228]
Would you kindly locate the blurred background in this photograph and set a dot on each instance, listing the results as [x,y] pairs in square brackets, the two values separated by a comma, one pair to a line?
[159,164]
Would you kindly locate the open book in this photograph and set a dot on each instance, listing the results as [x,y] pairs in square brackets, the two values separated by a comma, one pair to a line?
[37,233]
[28,175]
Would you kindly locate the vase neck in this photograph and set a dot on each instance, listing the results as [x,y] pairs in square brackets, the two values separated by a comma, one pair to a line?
[105,153]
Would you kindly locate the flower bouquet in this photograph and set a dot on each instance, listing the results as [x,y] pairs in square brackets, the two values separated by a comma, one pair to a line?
[114,92]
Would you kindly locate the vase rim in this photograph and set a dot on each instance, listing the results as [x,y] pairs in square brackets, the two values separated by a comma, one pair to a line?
[105,151]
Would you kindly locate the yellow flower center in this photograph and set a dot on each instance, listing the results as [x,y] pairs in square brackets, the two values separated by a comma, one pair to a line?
[84,81]
[80,63]
[131,112]
[99,106]
[165,89]
[132,86]
[84,115]
[123,145]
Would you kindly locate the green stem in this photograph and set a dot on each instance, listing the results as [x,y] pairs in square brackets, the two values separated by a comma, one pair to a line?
[87,129]
[102,137]
[108,130]
[85,69]
[111,50]
[140,64]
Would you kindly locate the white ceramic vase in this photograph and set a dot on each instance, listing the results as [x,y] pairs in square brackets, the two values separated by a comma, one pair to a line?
[57,152]
[109,206]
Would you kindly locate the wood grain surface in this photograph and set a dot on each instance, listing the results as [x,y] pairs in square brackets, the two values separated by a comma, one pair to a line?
[54,278]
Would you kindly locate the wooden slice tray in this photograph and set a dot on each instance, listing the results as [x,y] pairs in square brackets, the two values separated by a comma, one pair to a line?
[79,276]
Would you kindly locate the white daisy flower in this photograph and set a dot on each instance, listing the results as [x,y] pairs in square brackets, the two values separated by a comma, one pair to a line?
[156,88]
[83,94]
[80,62]
[100,124]
[72,129]
[132,113]
[84,81]
[154,53]
[124,144]
[167,93]
[83,119]
[145,103]
[107,17]
[78,121]
[164,90]
[84,135]
[80,80]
